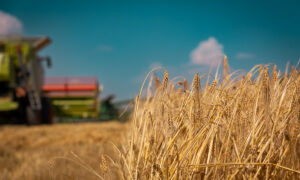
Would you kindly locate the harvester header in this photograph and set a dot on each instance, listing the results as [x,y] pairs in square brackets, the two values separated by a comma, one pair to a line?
[73,96]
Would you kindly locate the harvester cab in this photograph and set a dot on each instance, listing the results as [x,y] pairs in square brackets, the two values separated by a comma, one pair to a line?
[21,81]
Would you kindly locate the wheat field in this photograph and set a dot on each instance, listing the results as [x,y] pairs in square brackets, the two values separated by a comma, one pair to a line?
[229,126]
[239,126]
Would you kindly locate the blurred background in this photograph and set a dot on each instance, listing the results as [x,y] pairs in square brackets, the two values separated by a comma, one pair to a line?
[106,48]
[73,61]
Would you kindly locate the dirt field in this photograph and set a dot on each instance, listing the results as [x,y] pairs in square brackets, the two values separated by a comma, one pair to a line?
[45,152]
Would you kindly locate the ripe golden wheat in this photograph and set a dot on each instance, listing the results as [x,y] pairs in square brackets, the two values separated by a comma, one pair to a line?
[236,128]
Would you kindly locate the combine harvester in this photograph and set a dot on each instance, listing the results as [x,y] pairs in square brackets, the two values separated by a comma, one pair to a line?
[73,97]
[21,81]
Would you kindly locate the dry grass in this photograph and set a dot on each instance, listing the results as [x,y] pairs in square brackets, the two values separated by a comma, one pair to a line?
[245,127]
[45,152]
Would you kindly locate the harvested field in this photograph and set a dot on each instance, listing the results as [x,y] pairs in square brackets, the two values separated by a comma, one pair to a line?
[44,152]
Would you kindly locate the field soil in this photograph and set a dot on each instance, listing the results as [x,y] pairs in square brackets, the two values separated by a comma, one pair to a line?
[61,151]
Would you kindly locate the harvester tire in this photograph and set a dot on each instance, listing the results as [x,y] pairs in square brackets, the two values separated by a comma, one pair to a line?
[47,111]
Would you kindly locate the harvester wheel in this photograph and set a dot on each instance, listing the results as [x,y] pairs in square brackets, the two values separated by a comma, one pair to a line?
[47,111]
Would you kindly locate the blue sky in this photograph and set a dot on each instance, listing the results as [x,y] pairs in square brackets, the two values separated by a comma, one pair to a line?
[119,42]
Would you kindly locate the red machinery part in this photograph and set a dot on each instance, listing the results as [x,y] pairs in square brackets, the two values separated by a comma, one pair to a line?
[70,86]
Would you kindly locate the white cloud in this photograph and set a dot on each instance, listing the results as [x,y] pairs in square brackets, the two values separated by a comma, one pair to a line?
[105,48]
[9,25]
[209,52]
[243,55]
